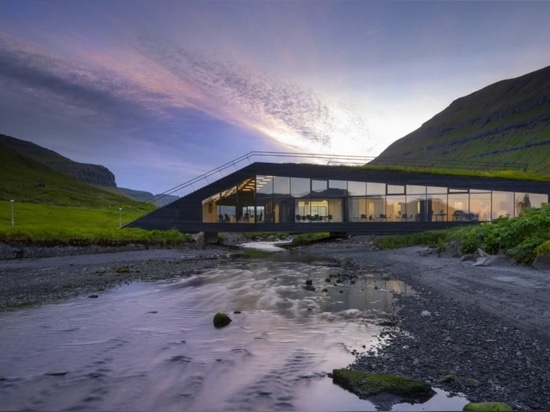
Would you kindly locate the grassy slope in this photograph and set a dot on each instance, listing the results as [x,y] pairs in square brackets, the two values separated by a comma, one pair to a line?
[55,225]
[506,122]
[28,181]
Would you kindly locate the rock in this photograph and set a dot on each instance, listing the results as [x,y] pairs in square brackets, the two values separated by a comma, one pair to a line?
[487,406]
[542,262]
[485,261]
[450,377]
[425,314]
[198,238]
[221,319]
[18,254]
[365,384]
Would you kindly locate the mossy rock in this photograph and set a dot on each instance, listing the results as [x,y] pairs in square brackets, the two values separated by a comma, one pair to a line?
[450,377]
[123,269]
[365,384]
[221,319]
[487,406]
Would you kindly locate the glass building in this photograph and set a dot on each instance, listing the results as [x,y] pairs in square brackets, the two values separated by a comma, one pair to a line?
[306,197]
[284,199]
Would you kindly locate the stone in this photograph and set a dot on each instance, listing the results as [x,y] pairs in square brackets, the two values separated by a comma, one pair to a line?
[221,319]
[450,377]
[425,314]
[365,384]
[487,406]
[542,262]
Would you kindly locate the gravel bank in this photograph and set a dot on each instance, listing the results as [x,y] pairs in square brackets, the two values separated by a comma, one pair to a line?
[70,272]
[480,331]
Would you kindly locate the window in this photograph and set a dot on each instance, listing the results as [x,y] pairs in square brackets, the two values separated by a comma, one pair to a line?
[357,188]
[299,187]
[376,189]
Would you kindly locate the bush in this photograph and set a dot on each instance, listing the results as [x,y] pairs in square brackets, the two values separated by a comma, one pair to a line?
[519,237]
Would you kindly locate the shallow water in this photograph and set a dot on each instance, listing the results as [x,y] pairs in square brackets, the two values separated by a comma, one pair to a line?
[152,346]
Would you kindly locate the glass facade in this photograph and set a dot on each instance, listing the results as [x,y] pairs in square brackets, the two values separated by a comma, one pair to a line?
[278,199]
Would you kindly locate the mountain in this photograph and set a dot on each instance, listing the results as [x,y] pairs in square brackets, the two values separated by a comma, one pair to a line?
[27,180]
[87,173]
[92,174]
[505,125]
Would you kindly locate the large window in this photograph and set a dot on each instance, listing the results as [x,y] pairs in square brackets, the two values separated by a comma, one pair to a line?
[279,199]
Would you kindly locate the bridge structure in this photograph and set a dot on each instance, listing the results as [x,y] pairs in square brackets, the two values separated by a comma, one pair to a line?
[297,193]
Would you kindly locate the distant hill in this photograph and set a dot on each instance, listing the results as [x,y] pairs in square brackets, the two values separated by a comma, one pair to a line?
[26,180]
[92,174]
[505,126]
[143,196]
[87,173]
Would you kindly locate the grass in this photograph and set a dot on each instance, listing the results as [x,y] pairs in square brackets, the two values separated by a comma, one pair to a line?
[520,237]
[306,238]
[58,225]
[430,238]
[28,181]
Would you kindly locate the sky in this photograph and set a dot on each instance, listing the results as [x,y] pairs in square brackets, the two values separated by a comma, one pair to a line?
[163,91]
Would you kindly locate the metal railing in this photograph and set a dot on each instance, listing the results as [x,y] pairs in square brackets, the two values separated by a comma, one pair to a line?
[274,157]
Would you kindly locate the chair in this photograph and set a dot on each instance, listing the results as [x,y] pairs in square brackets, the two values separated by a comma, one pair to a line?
[363,217]
[298,217]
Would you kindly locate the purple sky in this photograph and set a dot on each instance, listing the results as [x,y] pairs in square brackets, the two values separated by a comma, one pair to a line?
[162,91]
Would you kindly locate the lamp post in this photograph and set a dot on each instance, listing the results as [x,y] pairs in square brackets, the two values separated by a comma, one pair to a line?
[12,218]
[119,217]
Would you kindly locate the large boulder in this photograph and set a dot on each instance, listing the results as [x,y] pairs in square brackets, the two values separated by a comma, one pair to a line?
[487,406]
[365,384]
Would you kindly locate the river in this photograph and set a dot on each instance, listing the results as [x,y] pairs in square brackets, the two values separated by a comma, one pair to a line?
[152,345]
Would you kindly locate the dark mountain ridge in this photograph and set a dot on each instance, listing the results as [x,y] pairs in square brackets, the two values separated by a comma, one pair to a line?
[87,173]
[505,124]
[92,174]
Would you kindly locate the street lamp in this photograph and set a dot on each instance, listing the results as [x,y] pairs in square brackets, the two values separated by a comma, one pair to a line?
[12,218]
[119,217]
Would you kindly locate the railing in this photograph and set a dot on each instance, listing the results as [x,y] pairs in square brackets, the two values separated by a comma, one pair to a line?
[275,157]
[200,181]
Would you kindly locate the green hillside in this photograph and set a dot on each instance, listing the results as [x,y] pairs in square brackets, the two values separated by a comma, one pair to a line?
[503,126]
[26,180]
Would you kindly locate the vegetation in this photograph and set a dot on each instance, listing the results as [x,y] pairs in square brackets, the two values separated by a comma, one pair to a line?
[502,174]
[56,225]
[257,253]
[221,319]
[431,238]
[521,238]
[518,237]
[487,406]
[27,181]
[365,384]
[305,238]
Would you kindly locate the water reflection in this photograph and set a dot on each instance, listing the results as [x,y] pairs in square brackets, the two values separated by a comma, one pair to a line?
[152,346]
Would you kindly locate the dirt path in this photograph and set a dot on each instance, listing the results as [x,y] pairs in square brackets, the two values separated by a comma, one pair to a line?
[517,294]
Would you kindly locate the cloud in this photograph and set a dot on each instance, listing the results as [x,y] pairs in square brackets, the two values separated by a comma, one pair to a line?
[160,82]
[285,111]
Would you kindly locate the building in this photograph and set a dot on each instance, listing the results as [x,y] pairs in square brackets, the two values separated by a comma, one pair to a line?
[300,197]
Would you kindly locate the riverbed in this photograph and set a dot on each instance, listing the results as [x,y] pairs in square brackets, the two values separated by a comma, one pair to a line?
[152,345]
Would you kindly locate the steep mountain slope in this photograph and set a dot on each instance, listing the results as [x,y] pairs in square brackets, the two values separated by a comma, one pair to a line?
[92,174]
[505,125]
[88,173]
[26,180]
